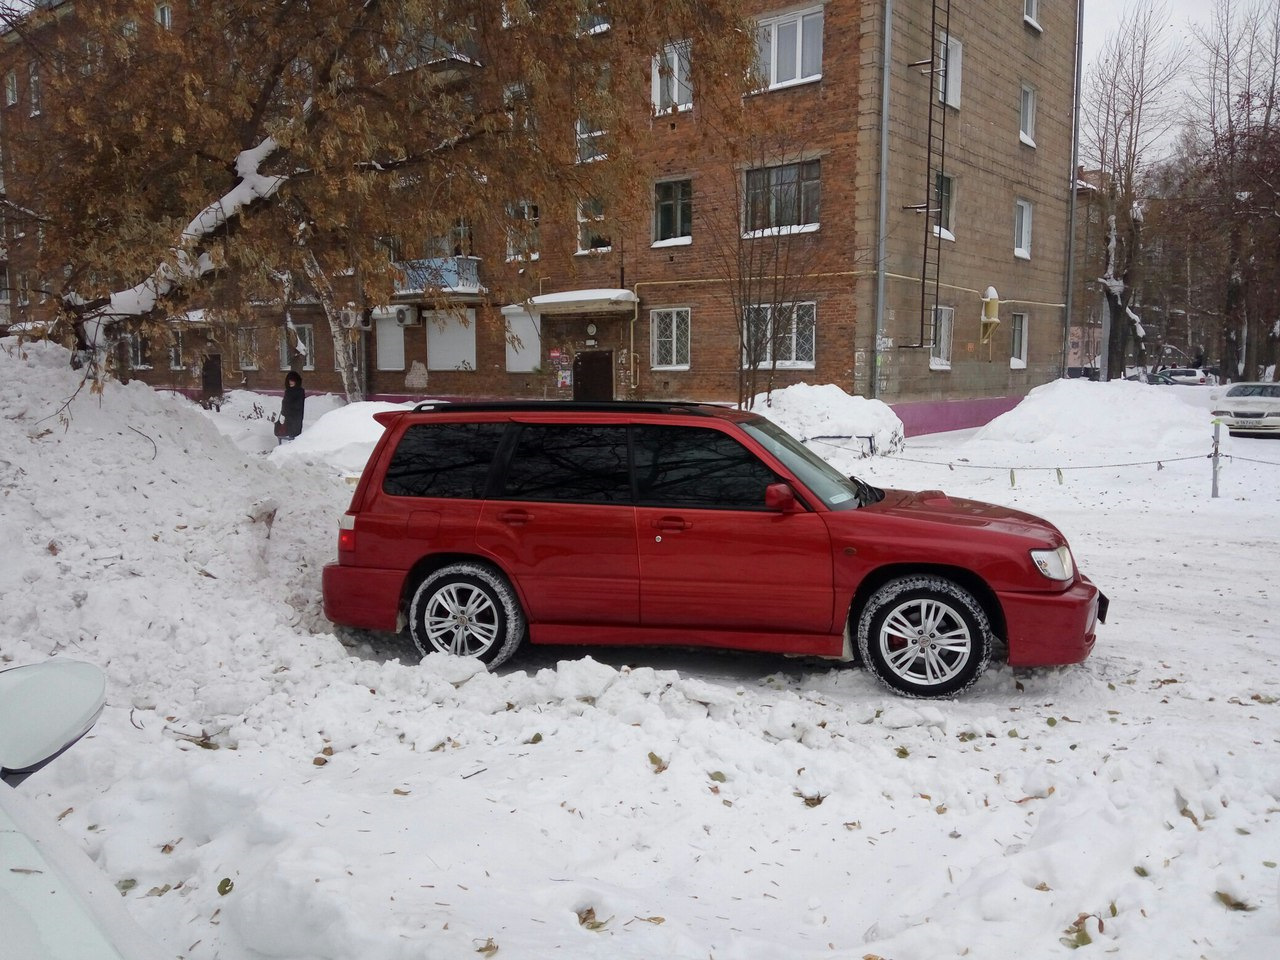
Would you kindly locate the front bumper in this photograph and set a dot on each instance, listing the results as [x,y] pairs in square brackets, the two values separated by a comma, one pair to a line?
[1052,629]
[1257,424]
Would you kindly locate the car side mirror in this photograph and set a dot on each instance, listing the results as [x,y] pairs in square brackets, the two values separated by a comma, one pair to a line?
[780,496]
[45,708]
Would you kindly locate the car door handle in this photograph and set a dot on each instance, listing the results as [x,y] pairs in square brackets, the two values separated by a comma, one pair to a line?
[671,523]
[516,518]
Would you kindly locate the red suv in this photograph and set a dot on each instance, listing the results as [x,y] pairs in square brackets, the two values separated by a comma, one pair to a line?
[481,525]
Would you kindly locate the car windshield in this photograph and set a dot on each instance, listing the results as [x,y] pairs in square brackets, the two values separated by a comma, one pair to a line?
[1255,390]
[835,490]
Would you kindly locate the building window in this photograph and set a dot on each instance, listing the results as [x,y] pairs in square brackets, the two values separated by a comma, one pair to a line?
[672,87]
[139,351]
[24,288]
[522,233]
[950,70]
[1022,229]
[591,235]
[784,199]
[5,295]
[1031,13]
[595,19]
[670,338]
[944,187]
[247,348]
[1018,341]
[164,16]
[673,212]
[298,343]
[33,88]
[789,49]
[175,349]
[1027,117]
[940,354]
[780,334]
[519,109]
[590,136]
[10,88]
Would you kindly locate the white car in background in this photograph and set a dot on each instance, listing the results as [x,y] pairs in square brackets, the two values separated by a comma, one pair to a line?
[1250,408]
[55,904]
[1189,375]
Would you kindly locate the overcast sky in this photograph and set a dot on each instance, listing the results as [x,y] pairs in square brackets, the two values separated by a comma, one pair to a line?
[1102,17]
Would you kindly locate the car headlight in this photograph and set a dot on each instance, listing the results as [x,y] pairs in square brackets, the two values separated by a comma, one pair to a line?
[1055,564]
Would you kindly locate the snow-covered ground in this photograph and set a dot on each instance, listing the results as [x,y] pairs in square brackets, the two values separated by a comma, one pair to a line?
[258,789]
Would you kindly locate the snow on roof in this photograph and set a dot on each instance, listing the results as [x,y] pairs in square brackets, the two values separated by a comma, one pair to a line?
[593,299]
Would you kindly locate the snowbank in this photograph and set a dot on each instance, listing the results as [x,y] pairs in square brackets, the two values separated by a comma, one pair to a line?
[824,410]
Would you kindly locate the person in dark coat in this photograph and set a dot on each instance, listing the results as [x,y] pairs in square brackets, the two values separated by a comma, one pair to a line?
[291,406]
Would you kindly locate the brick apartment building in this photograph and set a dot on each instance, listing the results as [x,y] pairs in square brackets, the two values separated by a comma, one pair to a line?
[920,214]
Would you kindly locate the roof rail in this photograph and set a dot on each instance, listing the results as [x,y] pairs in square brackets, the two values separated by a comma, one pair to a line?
[581,406]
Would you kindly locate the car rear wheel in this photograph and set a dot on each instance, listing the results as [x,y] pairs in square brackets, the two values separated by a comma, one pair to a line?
[467,609]
[924,636]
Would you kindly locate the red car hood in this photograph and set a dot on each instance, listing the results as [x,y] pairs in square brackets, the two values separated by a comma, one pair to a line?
[934,506]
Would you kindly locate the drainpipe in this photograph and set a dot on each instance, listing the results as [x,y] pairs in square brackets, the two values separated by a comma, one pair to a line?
[883,213]
[1075,165]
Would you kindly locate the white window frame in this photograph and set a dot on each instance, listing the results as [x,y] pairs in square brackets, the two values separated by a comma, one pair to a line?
[33,87]
[668,343]
[139,352]
[300,331]
[775,194]
[583,220]
[672,81]
[175,350]
[247,348]
[951,70]
[1022,223]
[1027,116]
[11,88]
[678,239]
[1031,14]
[805,23]
[164,16]
[769,313]
[944,320]
[589,141]
[523,245]
[945,227]
[1018,341]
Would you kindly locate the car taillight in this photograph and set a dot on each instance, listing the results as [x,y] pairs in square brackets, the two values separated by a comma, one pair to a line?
[346,534]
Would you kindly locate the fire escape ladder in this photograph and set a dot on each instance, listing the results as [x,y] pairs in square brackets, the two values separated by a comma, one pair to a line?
[935,71]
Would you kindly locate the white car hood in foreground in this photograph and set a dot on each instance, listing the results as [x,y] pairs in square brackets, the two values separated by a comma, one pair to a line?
[54,902]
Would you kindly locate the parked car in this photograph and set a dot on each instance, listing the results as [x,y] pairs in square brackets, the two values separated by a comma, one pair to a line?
[1153,377]
[56,904]
[1187,375]
[482,525]
[1250,408]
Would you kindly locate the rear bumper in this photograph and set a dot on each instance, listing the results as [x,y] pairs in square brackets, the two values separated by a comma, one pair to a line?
[363,597]
[1051,629]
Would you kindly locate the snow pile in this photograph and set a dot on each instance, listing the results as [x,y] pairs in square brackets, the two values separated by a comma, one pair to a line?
[255,788]
[824,410]
[1121,416]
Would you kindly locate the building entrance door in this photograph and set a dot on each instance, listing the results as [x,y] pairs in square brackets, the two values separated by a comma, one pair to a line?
[593,375]
[211,377]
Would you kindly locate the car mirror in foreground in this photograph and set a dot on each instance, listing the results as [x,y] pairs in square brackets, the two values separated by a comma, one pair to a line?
[780,496]
[45,708]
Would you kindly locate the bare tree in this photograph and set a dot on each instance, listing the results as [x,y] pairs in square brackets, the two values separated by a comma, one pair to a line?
[1128,110]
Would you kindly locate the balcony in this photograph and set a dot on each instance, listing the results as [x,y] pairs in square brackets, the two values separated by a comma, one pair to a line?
[459,276]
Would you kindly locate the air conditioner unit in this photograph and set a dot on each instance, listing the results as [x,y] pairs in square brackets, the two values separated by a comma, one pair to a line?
[353,320]
[405,314]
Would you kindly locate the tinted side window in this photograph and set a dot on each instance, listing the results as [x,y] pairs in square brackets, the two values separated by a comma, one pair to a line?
[570,463]
[443,460]
[696,467]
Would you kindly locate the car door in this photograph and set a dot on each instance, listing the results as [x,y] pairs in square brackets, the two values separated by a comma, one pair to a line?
[561,522]
[712,557]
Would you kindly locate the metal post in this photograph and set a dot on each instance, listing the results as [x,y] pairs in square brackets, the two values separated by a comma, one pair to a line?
[1217,430]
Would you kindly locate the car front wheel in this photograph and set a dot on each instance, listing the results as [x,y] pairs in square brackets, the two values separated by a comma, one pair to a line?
[467,609]
[924,636]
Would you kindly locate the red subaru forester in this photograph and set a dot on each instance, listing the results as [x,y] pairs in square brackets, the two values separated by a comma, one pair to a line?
[481,525]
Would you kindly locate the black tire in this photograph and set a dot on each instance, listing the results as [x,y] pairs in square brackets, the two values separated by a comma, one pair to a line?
[924,636]
[467,609]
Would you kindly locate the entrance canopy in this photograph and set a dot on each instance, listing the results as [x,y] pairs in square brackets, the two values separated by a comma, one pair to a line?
[581,301]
